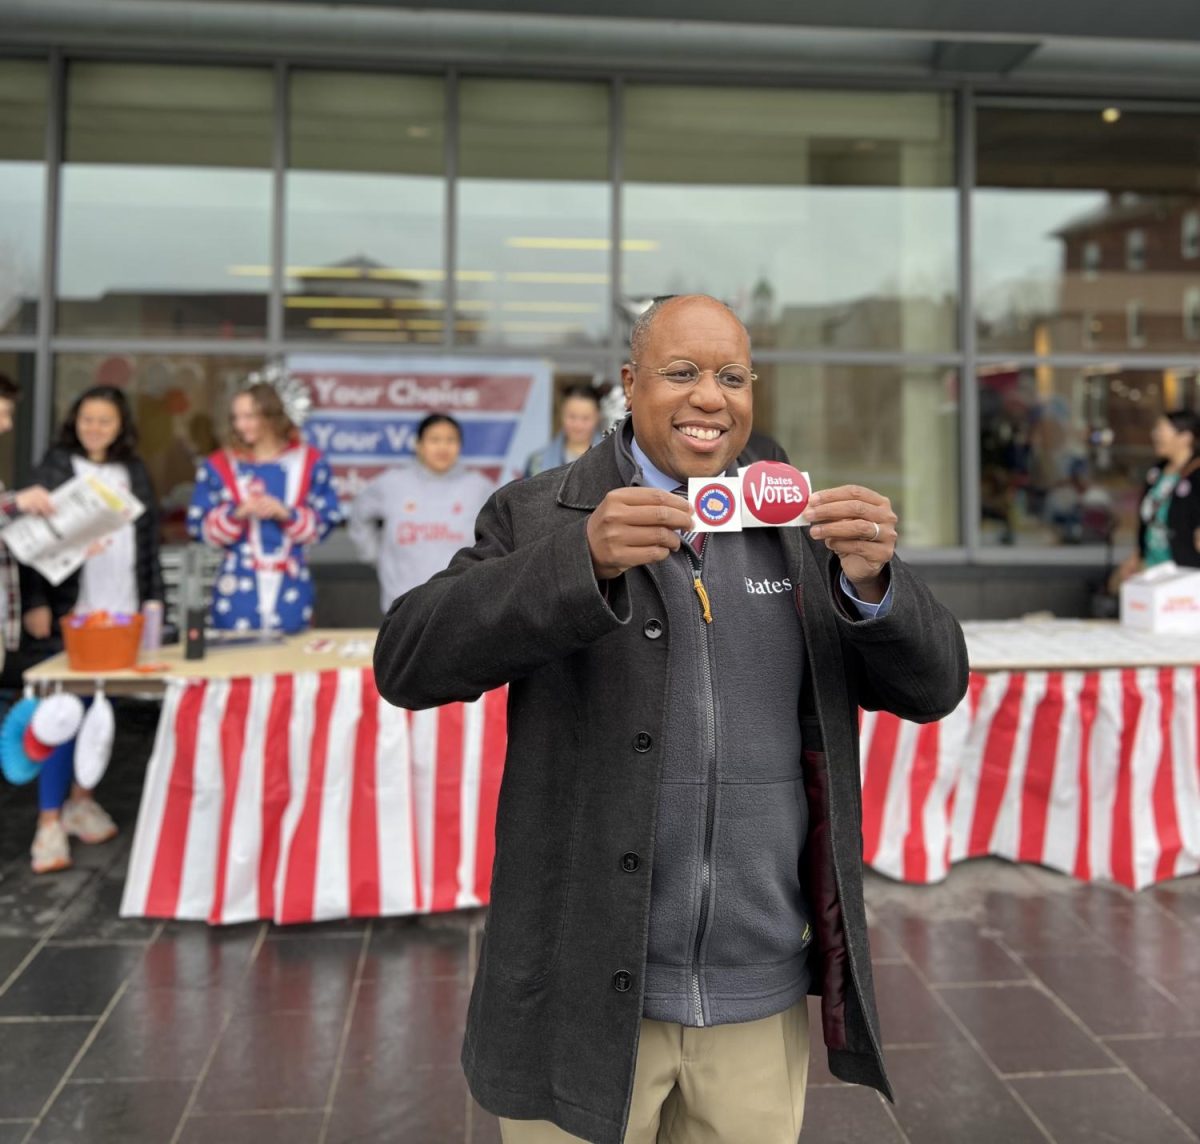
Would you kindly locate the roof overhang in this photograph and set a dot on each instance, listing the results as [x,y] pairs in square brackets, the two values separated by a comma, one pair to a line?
[1049,45]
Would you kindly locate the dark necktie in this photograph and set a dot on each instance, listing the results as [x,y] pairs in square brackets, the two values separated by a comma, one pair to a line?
[695,539]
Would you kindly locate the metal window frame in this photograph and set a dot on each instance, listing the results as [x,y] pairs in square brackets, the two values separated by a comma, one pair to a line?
[451,145]
[970,493]
[43,380]
[616,222]
[276,287]
[970,96]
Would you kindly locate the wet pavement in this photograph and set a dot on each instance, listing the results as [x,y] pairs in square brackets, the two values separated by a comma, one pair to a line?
[1016,1005]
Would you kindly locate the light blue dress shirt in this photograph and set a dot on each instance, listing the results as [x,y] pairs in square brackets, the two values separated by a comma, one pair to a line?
[656,478]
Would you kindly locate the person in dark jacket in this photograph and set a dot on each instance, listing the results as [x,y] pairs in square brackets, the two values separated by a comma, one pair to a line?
[34,500]
[678,840]
[1169,510]
[121,573]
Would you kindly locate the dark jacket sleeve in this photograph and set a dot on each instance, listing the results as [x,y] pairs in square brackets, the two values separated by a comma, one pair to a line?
[149,562]
[498,612]
[1183,518]
[911,662]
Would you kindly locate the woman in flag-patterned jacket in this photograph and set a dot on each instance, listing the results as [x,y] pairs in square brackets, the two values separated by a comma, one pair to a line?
[263,502]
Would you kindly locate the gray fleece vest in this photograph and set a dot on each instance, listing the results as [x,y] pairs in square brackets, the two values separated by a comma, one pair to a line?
[729,929]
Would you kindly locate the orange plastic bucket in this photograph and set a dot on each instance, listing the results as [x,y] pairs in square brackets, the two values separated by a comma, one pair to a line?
[111,647]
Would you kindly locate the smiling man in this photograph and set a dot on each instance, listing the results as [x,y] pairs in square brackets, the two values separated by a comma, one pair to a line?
[677,843]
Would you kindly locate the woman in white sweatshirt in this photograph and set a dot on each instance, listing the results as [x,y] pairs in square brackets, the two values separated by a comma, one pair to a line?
[413,519]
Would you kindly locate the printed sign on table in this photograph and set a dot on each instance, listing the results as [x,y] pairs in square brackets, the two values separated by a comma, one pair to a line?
[365,411]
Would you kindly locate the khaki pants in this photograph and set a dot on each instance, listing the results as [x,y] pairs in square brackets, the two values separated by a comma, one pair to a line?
[727,1084]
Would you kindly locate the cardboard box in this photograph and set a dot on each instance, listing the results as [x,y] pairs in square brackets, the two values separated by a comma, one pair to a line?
[1164,600]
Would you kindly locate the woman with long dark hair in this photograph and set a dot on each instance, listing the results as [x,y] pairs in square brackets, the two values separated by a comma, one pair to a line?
[263,501]
[121,573]
[579,430]
[1169,511]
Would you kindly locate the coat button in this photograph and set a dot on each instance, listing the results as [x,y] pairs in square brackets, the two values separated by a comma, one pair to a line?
[622,981]
[642,742]
[653,629]
[630,862]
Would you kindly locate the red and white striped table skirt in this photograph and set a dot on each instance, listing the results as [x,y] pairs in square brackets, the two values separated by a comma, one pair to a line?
[1094,773]
[306,797]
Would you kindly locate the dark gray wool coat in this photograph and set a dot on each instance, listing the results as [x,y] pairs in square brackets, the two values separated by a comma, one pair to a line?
[552,1031]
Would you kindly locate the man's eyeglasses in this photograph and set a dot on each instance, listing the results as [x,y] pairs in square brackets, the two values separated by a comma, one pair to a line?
[685,374]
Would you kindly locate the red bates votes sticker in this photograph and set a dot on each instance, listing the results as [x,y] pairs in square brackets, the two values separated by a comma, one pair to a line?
[773,492]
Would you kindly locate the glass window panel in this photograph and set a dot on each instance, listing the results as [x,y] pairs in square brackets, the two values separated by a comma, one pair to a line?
[1064,452]
[1081,219]
[166,201]
[22,191]
[365,207]
[534,205]
[891,428]
[180,403]
[825,218]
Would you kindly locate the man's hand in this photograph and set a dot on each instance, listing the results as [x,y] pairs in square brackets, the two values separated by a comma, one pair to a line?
[37,622]
[35,500]
[859,527]
[635,526]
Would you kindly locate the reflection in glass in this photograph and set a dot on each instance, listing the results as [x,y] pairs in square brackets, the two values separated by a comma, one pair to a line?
[534,204]
[1086,231]
[22,191]
[1064,452]
[166,194]
[365,197]
[826,219]
[891,428]
[180,403]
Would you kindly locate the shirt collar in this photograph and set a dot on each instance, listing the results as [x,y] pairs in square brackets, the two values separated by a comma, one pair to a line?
[652,475]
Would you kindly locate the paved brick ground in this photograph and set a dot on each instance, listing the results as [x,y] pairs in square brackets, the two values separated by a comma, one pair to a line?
[1017,1005]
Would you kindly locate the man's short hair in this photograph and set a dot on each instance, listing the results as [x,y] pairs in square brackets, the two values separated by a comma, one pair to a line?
[9,389]
[643,322]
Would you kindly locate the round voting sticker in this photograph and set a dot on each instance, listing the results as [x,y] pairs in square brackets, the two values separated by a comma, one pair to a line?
[774,493]
[715,505]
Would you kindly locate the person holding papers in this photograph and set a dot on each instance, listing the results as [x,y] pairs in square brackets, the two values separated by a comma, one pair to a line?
[121,573]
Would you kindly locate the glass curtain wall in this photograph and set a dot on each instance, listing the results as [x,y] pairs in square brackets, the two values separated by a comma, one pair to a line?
[22,192]
[1086,246]
[365,208]
[165,218]
[533,213]
[829,219]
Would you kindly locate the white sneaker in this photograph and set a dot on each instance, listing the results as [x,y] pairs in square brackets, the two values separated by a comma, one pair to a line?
[51,851]
[87,820]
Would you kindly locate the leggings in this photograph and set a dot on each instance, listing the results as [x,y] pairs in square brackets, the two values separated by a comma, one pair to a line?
[54,782]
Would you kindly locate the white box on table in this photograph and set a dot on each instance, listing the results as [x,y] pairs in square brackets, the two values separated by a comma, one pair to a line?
[1163,600]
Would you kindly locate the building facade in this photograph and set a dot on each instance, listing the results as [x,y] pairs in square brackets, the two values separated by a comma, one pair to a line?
[968,250]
